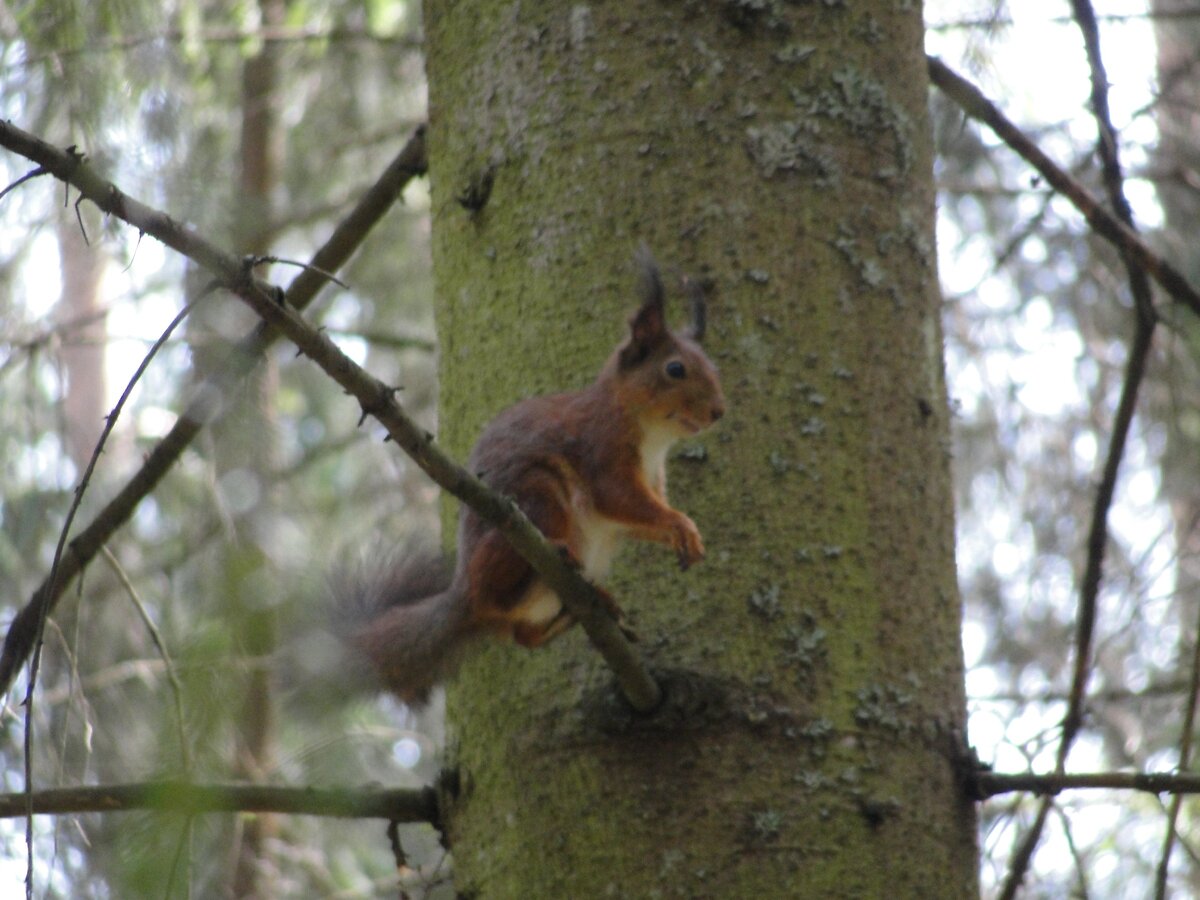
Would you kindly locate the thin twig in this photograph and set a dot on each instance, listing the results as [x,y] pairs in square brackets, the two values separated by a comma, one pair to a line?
[1116,694]
[183,850]
[998,20]
[34,173]
[1081,892]
[168,665]
[977,106]
[329,276]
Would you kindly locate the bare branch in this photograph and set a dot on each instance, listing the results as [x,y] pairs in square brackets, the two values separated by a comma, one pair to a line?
[266,260]
[160,645]
[973,102]
[991,784]
[393,804]
[999,20]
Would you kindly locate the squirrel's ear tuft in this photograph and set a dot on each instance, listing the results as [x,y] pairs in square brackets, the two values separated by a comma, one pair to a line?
[650,286]
[696,309]
[647,326]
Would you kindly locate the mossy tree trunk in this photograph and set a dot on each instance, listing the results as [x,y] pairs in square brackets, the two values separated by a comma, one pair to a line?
[813,660]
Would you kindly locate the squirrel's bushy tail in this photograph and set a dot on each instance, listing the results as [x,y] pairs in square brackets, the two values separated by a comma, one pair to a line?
[403,622]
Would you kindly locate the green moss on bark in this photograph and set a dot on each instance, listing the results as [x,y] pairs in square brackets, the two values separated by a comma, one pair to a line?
[780,150]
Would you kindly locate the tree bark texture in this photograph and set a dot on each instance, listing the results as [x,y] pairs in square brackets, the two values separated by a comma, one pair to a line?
[812,662]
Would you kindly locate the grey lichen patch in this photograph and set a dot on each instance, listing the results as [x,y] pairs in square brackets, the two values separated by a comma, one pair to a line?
[884,707]
[764,601]
[804,647]
[862,105]
[783,465]
[766,824]
[809,394]
[814,780]
[914,236]
[580,25]
[671,860]
[813,426]
[866,108]
[871,31]
[820,729]
[791,146]
[702,65]
[791,54]
[830,552]
[779,463]
[868,267]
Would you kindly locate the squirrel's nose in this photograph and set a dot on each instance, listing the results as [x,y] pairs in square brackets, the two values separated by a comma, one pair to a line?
[717,412]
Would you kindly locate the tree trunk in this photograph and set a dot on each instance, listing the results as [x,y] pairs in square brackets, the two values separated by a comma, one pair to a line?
[812,661]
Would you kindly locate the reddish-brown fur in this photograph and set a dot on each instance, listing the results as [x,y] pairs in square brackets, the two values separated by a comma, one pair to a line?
[588,469]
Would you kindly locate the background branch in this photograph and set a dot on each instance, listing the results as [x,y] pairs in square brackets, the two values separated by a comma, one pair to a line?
[991,784]
[1135,257]
[394,804]
[346,238]
[977,106]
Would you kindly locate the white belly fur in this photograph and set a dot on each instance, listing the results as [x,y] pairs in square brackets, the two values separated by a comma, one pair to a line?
[599,539]
[656,444]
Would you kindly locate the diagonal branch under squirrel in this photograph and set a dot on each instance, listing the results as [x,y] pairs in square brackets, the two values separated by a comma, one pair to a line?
[587,467]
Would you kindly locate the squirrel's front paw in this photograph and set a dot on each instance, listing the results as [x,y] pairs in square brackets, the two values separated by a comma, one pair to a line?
[687,542]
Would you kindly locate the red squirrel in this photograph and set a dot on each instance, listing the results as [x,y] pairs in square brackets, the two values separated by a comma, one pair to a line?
[587,467]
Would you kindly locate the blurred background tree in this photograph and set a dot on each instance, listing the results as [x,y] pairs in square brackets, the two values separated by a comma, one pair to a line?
[1039,322]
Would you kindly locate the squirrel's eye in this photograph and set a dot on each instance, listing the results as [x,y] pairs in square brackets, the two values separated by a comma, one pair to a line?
[675,369]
